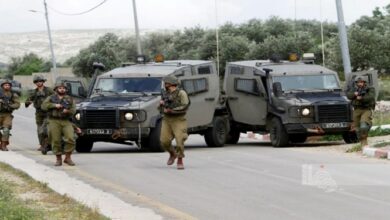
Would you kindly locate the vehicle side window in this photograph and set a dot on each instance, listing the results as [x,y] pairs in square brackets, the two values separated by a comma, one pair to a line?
[236,70]
[246,86]
[74,87]
[194,86]
[204,70]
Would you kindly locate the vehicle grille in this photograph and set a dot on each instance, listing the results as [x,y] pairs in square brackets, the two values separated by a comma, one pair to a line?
[333,113]
[100,119]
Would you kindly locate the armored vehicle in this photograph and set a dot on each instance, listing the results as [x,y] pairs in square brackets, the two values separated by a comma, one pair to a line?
[289,100]
[122,104]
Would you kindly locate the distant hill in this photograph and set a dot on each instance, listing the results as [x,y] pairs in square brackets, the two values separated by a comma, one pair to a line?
[66,43]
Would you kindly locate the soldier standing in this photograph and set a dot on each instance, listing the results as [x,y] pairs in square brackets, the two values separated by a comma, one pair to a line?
[36,97]
[9,101]
[173,105]
[363,102]
[60,108]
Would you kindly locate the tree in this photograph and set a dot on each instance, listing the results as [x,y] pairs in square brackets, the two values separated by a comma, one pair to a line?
[28,64]
[104,50]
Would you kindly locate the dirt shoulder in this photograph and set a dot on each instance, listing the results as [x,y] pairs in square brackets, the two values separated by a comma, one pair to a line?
[339,147]
[21,197]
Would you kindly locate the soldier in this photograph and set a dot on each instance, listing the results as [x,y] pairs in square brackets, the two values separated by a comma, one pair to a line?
[36,97]
[363,101]
[60,108]
[173,105]
[9,101]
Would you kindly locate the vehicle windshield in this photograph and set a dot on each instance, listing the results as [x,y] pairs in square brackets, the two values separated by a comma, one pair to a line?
[300,82]
[129,85]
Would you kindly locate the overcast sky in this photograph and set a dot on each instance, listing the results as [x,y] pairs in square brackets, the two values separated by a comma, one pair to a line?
[170,14]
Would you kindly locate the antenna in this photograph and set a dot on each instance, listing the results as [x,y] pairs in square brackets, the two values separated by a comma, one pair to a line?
[322,36]
[216,34]
[139,50]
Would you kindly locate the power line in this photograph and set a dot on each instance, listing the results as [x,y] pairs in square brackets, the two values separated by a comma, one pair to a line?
[78,13]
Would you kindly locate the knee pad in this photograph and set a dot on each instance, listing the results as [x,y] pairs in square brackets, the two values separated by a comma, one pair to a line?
[364,127]
[6,132]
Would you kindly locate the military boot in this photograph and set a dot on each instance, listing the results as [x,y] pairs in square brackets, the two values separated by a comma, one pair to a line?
[59,160]
[172,157]
[68,159]
[180,165]
[4,145]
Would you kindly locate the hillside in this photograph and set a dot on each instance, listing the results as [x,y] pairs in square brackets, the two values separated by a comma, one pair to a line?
[66,43]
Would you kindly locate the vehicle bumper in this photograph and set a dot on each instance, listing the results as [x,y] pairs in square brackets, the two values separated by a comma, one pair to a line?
[318,128]
[114,134]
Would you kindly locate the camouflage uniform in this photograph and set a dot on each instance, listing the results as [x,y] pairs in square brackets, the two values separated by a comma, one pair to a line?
[174,124]
[60,127]
[363,108]
[36,97]
[9,101]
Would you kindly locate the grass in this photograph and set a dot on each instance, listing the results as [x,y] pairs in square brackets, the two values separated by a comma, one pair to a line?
[21,197]
[355,148]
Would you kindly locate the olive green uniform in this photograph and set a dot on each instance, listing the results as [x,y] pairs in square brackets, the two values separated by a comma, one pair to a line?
[59,123]
[9,102]
[37,97]
[363,110]
[174,124]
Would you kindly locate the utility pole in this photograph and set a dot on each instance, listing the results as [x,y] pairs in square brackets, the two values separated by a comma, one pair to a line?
[53,58]
[343,40]
[139,50]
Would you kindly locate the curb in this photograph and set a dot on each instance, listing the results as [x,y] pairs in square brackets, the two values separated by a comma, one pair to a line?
[255,136]
[375,152]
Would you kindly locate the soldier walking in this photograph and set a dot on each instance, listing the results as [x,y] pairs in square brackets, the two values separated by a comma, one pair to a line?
[60,107]
[174,105]
[36,97]
[9,101]
[363,102]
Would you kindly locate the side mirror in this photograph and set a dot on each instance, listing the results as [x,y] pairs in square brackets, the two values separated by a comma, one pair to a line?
[82,92]
[277,89]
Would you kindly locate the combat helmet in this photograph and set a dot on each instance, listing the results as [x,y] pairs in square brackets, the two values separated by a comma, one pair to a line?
[60,84]
[171,80]
[361,78]
[38,78]
[5,81]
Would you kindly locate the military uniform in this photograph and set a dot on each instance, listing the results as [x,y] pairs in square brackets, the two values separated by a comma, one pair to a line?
[363,101]
[60,127]
[174,105]
[36,97]
[9,102]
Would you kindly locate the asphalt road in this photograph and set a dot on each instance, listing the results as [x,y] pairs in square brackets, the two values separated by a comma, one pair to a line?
[251,180]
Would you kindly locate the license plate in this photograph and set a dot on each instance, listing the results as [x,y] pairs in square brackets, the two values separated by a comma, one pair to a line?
[335,125]
[99,131]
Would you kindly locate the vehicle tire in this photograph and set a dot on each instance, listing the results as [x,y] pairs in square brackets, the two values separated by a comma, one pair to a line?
[298,138]
[154,139]
[278,134]
[350,137]
[233,136]
[83,145]
[215,136]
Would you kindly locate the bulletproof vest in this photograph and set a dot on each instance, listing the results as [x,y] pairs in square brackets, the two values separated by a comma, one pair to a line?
[66,101]
[5,101]
[362,103]
[172,100]
[39,97]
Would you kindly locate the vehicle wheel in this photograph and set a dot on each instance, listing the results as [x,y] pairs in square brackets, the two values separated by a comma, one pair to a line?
[154,139]
[278,134]
[298,138]
[216,135]
[83,145]
[233,136]
[350,137]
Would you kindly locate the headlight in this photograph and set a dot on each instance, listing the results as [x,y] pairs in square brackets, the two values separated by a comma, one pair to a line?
[129,116]
[77,116]
[305,112]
